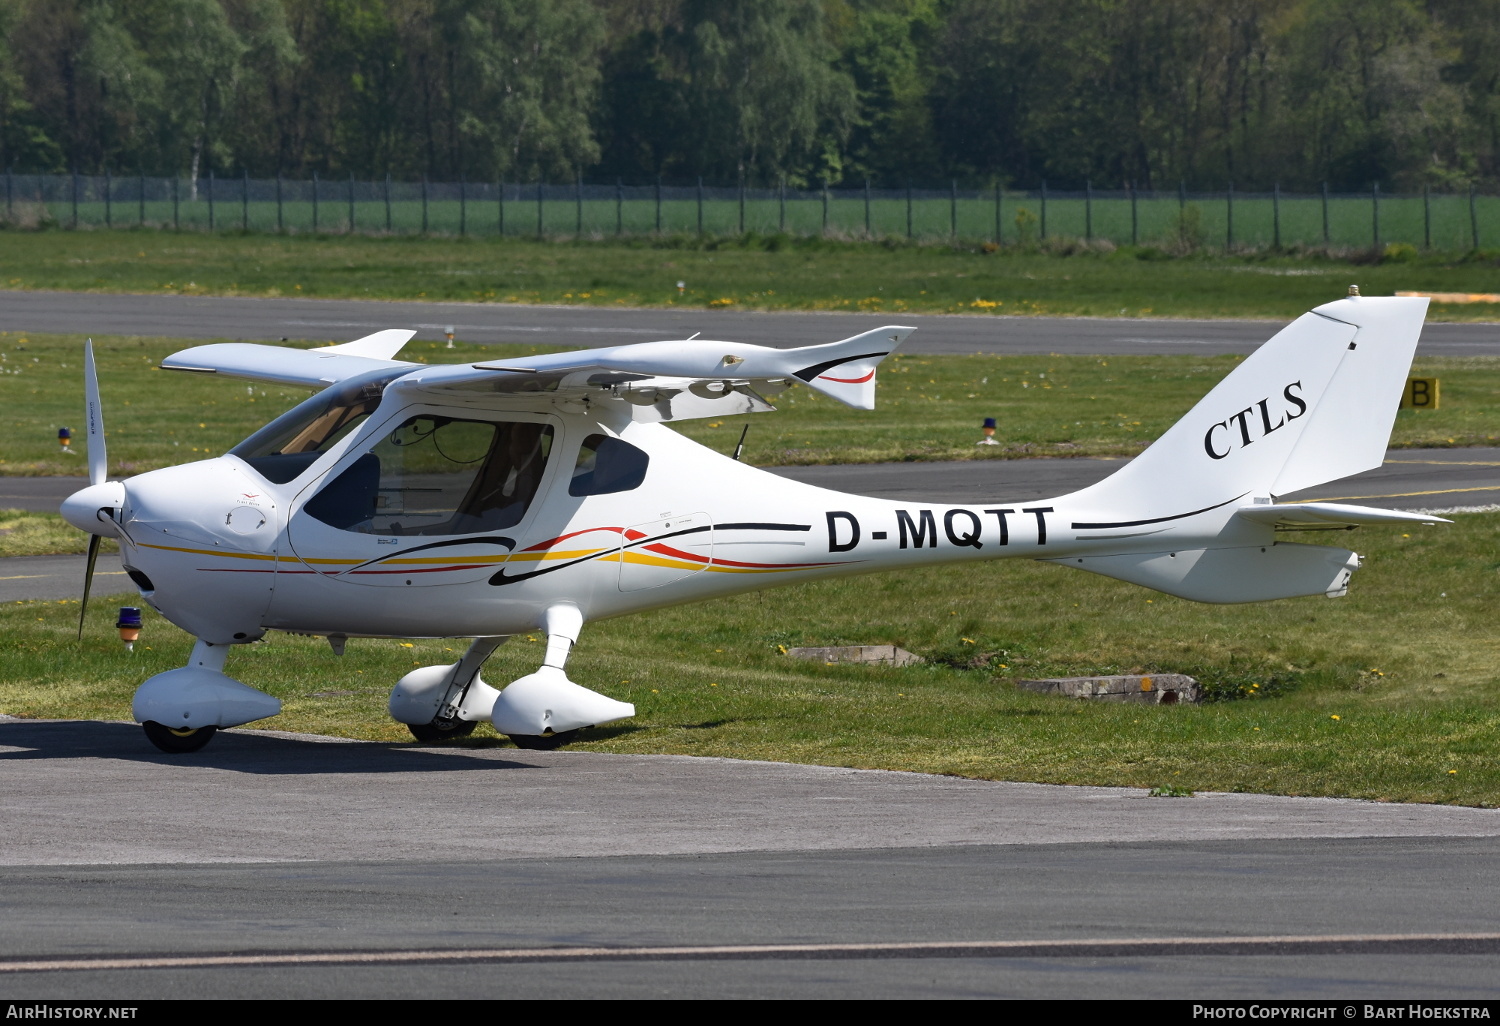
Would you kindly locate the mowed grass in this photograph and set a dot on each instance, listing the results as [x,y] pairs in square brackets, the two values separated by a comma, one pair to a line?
[927,407]
[24,533]
[752,272]
[1387,694]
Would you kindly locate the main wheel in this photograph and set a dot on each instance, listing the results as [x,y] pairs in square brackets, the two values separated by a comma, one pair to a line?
[441,730]
[178,742]
[543,742]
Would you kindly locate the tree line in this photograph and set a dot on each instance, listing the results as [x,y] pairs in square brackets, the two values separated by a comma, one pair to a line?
[1150,93]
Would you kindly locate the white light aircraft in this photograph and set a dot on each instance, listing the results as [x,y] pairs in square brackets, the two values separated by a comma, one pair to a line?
[534,493]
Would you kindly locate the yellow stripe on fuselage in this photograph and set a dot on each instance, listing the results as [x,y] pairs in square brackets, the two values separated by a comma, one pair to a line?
[414,561]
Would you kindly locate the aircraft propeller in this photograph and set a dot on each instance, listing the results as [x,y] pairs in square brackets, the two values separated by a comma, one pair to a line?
[98,465]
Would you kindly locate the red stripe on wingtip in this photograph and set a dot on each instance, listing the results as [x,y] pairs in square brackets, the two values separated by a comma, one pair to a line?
[848,381]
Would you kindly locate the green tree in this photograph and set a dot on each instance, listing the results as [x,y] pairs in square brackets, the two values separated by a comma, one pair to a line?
[886,47]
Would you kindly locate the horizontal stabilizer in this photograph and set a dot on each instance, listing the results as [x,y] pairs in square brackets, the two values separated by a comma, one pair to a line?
[1330,514]
[1252,573]
[311,368]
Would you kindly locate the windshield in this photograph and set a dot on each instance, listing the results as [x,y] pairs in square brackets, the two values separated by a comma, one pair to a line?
[291,443]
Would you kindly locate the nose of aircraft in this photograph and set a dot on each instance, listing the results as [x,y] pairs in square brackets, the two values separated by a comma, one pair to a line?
[83,508]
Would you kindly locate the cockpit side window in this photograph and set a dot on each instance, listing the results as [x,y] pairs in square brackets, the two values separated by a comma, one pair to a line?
[293,441]
[607,465]
[436,475]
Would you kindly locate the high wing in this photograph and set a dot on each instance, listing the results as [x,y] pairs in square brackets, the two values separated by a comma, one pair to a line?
[656,381]
[313,368]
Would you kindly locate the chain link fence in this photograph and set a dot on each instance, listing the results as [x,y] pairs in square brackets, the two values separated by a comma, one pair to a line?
[1178,220]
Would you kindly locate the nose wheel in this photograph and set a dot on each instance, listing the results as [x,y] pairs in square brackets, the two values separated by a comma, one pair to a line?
[175,741]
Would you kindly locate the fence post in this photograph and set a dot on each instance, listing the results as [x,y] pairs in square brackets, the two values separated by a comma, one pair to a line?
[1181,196]
[500,205]
[825,206]
[1325,213]
[619,208]
[658,204]
[578,199]
[424,204]
[742,202]
[109,220]
[1229,224]
[388,202]
[244,199]
[1426,217]
[1134,219]
[280,225]
[953,208]
[1375,214]
[315,202]
[908,210]
[210,199]
[781,197]
[1044,209]
[999,233]
[463,206]
[75,197]
[1473,218]
[141,198]
[867,206]
[351,202]
[10,206]
[540,224]
[176,225]
[1088,210]
[700,206]
[1276,215]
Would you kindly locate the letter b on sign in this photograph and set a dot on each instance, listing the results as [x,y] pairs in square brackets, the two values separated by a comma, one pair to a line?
[1420,394]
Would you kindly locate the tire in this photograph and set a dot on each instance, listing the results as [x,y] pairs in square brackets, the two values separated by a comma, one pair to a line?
[543,742]
[177,742]
[441,730]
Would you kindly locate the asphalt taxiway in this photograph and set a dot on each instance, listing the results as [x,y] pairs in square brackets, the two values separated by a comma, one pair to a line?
[299,866]
[339,320]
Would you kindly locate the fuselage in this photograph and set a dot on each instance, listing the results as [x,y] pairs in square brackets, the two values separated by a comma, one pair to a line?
[226,553]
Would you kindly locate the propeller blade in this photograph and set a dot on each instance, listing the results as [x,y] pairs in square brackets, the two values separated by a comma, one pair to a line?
[88,580]
[98,464]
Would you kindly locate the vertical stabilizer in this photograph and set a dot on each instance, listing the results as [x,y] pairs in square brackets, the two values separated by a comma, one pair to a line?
[1313,404]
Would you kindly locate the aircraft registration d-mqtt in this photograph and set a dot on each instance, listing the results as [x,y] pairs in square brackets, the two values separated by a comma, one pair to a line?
[490,499]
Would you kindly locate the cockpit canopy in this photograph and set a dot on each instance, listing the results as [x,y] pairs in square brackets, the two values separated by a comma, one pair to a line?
[293,441]
[439,475]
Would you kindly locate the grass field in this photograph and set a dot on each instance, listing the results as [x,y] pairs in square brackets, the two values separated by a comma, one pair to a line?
[1217,220]
[928,408]
[777,273]
[25,533]
[1387,694]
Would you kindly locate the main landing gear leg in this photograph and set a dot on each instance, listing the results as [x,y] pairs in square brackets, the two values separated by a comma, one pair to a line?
[439,703]
[545,709]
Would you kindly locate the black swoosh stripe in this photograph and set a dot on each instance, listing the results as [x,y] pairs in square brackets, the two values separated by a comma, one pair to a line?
[1157,520]
[763,527]
[808,373]
[508,543]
